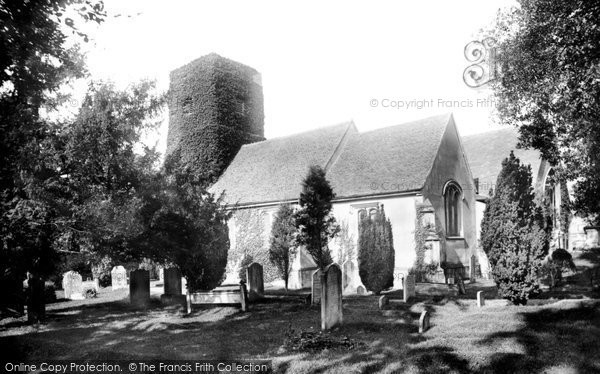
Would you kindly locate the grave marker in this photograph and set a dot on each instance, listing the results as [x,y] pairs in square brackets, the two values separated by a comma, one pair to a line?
[73,286]
[424,322]
[172,281]
[480,299]
[118,277]
[316,287]
[139,287]
[256,285]
[331,302]
[383,302]
[360,290]
[409,287]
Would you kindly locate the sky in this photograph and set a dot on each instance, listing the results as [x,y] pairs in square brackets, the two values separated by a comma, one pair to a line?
[376,63]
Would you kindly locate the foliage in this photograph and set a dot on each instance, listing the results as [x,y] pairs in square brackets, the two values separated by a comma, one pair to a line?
[549,87]
[316,341]
[346,243]
[376,252]
[314,221]
[251,239]
[559,261]
[185,225]
[34,63]
[247,260]
[420,269]
[515,233]
[222,95]
[565,207]
[283,249]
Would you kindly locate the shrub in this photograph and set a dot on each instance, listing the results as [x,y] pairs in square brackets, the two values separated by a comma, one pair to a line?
[515,233]
[376,252]
[559,261]
[283,250]
[246,261]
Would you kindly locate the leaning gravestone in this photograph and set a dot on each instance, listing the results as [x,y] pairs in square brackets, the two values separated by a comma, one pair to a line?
[118,277]
[139,287]
[424,322]
[172,281]
[73,285]
[256,285]
[409,287]
[316,287]
[331,302]
[480,299]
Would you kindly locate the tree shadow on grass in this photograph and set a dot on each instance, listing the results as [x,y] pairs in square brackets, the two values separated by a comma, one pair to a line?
[561,336]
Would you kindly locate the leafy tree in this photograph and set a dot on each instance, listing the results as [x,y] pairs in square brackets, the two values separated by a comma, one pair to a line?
[184,225]
[283,249]
[102,174]
[34,63]
[376,252]
[314,221]
[515,233]
[549,87]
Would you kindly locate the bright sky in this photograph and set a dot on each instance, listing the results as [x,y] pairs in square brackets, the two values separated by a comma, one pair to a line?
[321,62]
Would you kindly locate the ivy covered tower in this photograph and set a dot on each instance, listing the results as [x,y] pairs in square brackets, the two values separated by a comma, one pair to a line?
[215,107]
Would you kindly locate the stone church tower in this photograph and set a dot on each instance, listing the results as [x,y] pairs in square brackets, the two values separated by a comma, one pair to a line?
[215,107]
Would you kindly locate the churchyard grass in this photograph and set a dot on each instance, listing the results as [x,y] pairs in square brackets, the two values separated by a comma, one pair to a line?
[549,334]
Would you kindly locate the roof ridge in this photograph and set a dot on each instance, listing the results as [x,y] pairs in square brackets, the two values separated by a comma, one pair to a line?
[347,124]
[448,115]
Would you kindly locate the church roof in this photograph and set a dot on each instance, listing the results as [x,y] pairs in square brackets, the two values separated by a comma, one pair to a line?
[487,150]
[357,164]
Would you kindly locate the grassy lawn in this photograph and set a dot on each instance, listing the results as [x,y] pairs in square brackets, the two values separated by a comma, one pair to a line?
[555,336]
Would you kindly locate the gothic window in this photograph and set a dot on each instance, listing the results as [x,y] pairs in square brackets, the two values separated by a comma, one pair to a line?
[452,200]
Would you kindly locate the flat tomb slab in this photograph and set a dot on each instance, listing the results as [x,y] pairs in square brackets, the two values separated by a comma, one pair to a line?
[217,297]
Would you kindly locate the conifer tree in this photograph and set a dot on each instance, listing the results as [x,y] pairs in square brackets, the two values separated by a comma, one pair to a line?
[515,233]
[376,252]
[314,221]
[283,250]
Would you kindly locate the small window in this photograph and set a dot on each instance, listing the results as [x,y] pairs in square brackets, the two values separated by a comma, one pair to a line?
[452,199]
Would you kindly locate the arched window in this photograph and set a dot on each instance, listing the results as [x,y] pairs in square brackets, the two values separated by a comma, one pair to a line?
[452,199]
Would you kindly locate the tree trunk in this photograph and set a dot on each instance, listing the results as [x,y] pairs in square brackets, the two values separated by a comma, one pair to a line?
[36,303]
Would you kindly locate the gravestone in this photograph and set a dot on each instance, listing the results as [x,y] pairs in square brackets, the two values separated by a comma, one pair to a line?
[316,287]
[360,290]
[256,285]
[424,322]
[409,287]
[161,274]
[118,277]
[461,285]
[139,287]
[383,301]
[480,299]
[172,281]
[243,296]
[73,285]
[331,301]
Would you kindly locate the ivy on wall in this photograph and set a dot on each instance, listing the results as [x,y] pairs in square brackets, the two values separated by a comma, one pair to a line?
[422,270]
[215,106]
[251,240]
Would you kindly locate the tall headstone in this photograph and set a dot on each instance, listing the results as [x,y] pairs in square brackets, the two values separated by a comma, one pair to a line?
[73,285]
[139,287]
[480,299]
[331,301]
[424,322]
[36,305]
[172,281]
[316,287]
[409,287]
[348,271]
[256,285]
[118,277]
